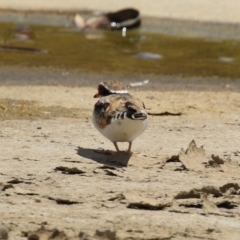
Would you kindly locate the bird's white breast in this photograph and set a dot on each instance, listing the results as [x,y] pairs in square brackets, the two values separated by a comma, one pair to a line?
[122,130]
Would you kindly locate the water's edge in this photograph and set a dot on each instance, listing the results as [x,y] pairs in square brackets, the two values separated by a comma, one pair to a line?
[173,27]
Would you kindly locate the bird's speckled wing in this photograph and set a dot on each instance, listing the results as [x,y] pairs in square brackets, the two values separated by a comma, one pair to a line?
[118,106]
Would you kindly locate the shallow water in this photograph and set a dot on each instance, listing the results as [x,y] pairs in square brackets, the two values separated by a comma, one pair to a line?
[104,52]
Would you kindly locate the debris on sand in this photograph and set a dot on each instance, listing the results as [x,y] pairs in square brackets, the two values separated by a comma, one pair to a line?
[43,233]
[139,84]
[223,165]
[176,208]
[172,163]
[225,190]
[205,200]
[232,188]
[193,158]
[67,170]
[108,170]
[63,201]
[166,113]
[213,200]
[107,234]
[136,201]
[147,203]
[208,206]
[196,193]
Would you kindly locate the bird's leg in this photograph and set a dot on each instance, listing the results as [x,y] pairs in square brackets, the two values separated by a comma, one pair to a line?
[116,146]
[129,147]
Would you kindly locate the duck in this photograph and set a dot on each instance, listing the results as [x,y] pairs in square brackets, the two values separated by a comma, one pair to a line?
[117,115]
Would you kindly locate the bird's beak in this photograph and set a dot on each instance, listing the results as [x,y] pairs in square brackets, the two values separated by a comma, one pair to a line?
[97,95]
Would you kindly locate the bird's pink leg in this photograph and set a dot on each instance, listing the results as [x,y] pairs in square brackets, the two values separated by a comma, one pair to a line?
[116,146]
[129,147]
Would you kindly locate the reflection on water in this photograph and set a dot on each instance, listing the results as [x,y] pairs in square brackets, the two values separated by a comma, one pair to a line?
[107,51]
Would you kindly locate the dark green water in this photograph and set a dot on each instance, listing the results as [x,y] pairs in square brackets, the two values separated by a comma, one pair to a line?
[110,52]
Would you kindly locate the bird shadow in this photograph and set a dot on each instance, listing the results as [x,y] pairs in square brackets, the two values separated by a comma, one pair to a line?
[116,159]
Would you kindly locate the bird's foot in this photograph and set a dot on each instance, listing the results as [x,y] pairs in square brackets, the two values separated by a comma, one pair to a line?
[131,152]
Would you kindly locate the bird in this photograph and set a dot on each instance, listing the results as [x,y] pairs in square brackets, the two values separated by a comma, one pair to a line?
[117,115]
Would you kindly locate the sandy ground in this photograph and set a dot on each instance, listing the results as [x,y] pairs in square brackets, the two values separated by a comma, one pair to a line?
[53,185]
